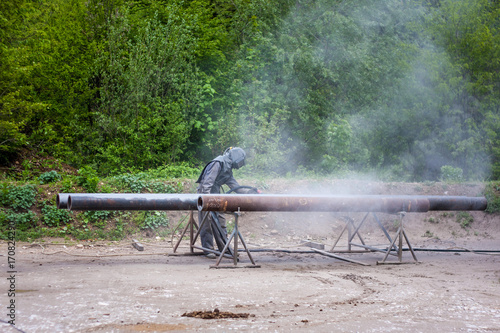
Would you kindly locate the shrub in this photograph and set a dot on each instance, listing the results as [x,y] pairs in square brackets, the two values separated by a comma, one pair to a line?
[451,174]
[134,183]
[139,182]
[17,197]
[67,185]
[54,217]
[159,187]
[154,220]
[49,177]
[4,191]
[23,221]
[87,178]
[97,217]
[175,170]
[492,193]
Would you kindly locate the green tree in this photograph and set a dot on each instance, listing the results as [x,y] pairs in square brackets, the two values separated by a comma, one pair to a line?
[469,33]
[148,96]
[327,61]
[64,55]
[19,25]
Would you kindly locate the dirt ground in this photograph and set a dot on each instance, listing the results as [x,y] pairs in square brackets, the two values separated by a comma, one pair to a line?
[69,286]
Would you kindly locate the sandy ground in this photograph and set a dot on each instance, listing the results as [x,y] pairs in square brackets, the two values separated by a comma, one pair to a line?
[115,288]
[112,287]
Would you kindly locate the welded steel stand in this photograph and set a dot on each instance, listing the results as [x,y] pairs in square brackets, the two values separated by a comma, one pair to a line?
[235,235]
[223,244]
[190,225]
[400,234]
[217,232]
[353,231]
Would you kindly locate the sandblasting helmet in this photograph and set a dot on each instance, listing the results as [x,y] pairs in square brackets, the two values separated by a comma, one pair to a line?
[237,156]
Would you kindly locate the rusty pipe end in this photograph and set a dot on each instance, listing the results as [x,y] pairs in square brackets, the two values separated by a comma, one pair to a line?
[200,203]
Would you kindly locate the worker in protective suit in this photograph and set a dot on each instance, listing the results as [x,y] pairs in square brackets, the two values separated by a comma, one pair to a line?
[215,174]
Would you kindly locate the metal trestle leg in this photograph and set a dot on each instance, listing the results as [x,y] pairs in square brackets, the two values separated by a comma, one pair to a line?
[400,234]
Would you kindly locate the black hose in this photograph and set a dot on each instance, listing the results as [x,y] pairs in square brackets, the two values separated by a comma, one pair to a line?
[452,250]
[254,189]
[277,250]
[13,326]
[404,249]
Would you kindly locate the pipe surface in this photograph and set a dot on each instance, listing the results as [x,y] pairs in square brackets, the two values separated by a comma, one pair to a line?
[457,203]
[268,202]
[129,201]
[62,198]
[296,203]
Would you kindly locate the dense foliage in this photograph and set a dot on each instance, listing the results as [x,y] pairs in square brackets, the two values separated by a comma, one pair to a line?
[399,88]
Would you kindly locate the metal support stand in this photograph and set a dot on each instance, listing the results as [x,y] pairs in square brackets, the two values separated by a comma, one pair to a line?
[353,231]
[190,225]
[399,237]
[218,234]
[225,251]
[235,235]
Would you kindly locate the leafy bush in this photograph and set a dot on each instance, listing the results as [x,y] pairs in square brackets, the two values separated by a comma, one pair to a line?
[67,185]
[451,174]
[54,217]
[4,222]
[49,177]
[140,182]
[17,197]
[176,170]
[159,187]
[134,183]
[154,220]
[23,224]
[88,179]
[23,221]
[4,191]
[492,193]
[97,217]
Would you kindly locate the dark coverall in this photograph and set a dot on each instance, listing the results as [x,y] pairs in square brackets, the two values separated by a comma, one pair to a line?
[215,174]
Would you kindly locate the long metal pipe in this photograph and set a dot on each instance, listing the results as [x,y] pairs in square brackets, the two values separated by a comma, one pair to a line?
[128,201]
[309,203]
[268,202]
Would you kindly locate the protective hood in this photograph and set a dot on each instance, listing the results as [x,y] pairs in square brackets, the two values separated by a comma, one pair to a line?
[232,158]
[236,157]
